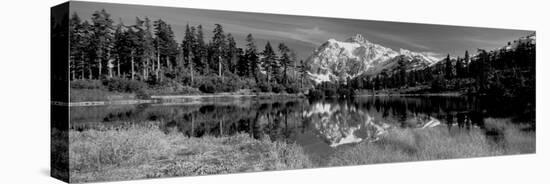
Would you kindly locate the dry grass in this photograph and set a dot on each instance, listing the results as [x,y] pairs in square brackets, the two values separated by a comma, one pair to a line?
[433,144]
[146,152]
[85,95]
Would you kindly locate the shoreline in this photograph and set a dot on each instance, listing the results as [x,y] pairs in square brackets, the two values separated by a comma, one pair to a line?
[453,94]
[186,98]
[197,98]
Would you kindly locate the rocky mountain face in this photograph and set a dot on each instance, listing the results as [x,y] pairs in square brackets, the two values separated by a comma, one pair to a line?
[339,60]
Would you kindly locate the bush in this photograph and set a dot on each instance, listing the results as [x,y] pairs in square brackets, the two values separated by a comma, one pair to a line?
[277,88]
[329,92]
[207,86]
[250,83]
[86,84]
[124,85]
[293,88]
[264,87]
[232,83]
[172,87]
[315,94]
[344,92]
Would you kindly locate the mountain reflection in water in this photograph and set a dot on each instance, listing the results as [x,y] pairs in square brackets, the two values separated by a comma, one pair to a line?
[344,124]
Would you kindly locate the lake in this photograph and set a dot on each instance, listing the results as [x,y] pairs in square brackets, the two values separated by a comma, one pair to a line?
[320,127]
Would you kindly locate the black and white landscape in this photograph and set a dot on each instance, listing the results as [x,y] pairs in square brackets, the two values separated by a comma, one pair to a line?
[159,92]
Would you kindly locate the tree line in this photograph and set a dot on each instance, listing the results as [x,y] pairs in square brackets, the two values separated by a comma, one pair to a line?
[147,52]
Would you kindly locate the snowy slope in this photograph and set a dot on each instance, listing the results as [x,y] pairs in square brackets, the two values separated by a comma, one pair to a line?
[338,60]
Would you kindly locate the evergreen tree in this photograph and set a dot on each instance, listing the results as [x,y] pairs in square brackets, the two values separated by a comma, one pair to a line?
[285,60]
[148,49]
[242,64]
[401,78]
[448,67]
[251,55]
[269,62]
[218,45]
[200,51]
[86,51]
[120,47]
[458,68]
[102,38]
[74,43]
[232,53]
[188,46]
[165,45]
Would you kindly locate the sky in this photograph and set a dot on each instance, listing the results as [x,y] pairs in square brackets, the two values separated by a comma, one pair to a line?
[304,34]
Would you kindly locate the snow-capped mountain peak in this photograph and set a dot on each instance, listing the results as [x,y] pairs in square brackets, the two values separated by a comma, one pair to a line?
[339,60]
[357,38]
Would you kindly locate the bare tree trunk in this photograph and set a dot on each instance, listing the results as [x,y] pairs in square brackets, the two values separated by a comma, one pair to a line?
[168,64]
[99,68]
[110,69]
[89,71]
[73,74]
[206,65]
[153,67]
[158,67]
[132,64]
[82,66]
[189,58]
[158,63]
[118,66]
[145,64]
[220,66]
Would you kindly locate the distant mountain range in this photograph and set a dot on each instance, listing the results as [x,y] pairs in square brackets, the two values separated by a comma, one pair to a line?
[338,60]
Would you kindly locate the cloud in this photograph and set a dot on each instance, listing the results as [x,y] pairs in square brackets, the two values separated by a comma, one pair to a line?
[439,56]
[399,39]
[314,36]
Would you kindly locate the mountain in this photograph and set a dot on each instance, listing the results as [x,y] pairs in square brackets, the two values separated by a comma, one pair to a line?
[338,60]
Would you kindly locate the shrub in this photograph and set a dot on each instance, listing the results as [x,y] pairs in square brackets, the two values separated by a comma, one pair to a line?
[250,83]
[315,94]
[264,87]
[171,87]
[124,85]
[277,88]
[86,84]
[207,86]
[329,92]
[293,88]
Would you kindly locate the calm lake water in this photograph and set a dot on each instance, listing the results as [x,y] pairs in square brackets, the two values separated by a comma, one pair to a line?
[320,127]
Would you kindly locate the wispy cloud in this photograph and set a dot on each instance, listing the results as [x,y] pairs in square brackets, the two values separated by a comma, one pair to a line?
[399,39]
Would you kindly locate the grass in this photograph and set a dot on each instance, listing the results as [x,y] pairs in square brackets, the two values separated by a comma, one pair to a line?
[146,152]
[401,145]
[86,95]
